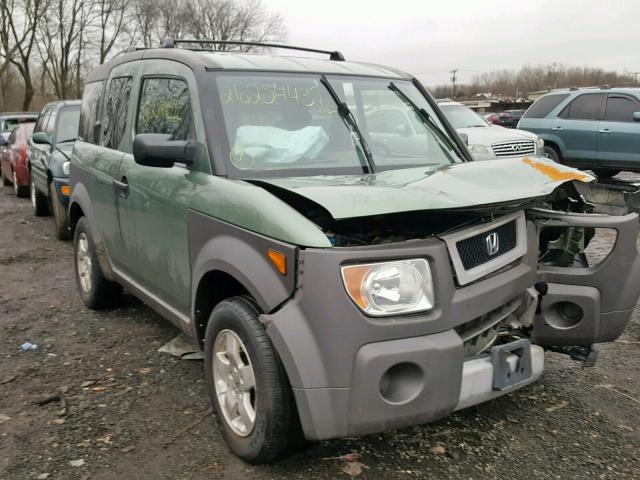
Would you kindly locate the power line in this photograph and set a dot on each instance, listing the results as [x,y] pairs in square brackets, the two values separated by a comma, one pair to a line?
[453,82]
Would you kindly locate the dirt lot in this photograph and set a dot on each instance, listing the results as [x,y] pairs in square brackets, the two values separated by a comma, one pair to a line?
[118,409]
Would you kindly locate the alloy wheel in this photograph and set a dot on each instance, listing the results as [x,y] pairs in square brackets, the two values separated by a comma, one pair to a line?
[235,383]
[15,182]
[33,193]
[83,261]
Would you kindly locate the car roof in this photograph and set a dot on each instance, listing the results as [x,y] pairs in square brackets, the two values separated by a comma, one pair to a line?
[204,60]
[63,103]
[6,115]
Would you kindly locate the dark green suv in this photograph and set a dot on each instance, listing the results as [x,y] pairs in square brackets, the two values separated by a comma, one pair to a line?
[48,153]
[340,280]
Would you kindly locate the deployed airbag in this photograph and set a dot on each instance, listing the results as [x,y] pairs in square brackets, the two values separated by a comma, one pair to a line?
[260,145]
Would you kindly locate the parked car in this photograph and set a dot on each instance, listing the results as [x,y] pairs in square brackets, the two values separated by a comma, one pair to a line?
[49,148]
[589,128]
[488,141]
[10,120]
[510,118]
[492,118]
[13,160]
[337,287]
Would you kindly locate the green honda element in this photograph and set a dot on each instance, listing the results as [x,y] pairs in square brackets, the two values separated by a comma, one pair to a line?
[343,276]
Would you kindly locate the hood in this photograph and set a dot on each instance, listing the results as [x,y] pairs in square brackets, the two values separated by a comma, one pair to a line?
[495,134]
[469,184]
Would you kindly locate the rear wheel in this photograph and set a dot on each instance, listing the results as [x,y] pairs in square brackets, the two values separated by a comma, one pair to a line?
[39,201]
[248,386]
[605,172]
[552,153]
[19,190]
[96,291]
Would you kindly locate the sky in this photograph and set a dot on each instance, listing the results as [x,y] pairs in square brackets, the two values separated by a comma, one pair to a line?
[429,38]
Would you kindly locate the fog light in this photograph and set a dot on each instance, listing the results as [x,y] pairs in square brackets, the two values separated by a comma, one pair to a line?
[402,383]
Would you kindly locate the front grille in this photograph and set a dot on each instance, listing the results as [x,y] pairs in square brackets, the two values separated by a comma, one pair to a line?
[514,149]
[474,251]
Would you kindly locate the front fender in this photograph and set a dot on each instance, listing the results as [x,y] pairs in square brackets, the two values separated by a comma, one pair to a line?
[215,245]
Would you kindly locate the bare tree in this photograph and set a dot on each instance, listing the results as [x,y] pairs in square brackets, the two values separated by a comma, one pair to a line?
[61,44]
[246,20]
[20,20]
[111,22]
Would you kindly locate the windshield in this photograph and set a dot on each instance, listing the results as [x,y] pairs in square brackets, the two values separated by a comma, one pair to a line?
[460,116]
[310,124]
[68,122]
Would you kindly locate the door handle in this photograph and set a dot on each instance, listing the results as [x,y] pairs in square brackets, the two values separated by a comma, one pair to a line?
[606,131]
[557,129]
[121,187]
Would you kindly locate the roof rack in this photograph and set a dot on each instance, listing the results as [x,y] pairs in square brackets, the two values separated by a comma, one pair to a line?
[173,43]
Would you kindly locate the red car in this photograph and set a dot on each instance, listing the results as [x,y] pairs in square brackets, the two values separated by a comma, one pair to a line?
[13,160]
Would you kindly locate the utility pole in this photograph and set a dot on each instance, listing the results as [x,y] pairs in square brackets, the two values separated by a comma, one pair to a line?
[636,74]
[453,82]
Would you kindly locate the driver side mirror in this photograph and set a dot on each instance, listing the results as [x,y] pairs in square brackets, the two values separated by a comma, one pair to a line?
[636,116]
[41,138]
[158,150]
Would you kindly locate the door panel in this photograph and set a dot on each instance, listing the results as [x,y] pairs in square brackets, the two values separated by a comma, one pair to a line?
[577,126]
[153,217]
[618,134]
[586,305]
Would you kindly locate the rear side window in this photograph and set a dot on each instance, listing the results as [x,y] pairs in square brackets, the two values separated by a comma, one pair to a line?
[114,116]
[165,107]
[544,105]
[620,108]
[585,107]
[89,130]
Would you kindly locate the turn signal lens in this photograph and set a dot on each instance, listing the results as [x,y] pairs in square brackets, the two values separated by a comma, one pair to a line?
[279,260]
[65,190]
[390,288]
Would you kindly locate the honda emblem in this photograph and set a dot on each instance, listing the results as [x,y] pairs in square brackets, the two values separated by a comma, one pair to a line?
[493,243]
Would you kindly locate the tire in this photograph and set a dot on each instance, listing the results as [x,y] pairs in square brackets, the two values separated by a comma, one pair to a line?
[20,191]
[552,153]
[39,201]
[605,172]
[5,181]
[59,215]
[96,291]
[275,430]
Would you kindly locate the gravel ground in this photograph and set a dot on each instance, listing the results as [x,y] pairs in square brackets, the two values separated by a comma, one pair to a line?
[112,407]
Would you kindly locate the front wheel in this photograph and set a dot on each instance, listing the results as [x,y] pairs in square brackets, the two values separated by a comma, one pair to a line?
[96,291]
[61,223]
[552,154]
[605,172]
[247,384]
[39,201]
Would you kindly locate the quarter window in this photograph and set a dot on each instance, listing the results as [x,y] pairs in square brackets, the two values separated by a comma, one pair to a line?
[89,130]
[114,116]
[165,107]
[544,105]
[621,108]
[585,107]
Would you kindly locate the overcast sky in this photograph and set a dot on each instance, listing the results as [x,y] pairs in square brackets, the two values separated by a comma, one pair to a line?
[429,38]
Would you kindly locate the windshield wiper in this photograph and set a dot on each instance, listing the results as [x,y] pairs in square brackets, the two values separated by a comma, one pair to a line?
[424,116]
[348,118]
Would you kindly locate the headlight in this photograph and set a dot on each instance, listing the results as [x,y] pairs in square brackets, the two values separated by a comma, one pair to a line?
[478,149]
[65,168]
[539,144]
[390,288]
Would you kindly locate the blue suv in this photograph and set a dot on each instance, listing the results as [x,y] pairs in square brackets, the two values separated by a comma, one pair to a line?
[589,128]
